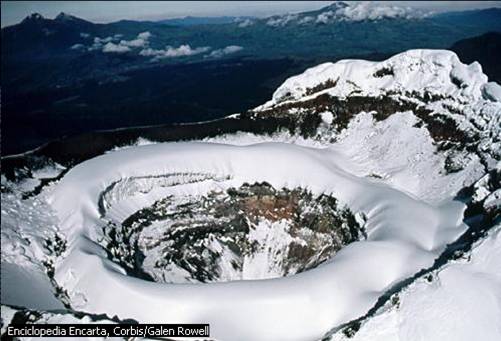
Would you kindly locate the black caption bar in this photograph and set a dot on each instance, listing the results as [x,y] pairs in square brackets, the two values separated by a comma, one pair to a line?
[108,330]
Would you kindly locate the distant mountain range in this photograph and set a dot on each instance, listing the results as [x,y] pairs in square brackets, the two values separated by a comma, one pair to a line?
[339,29]
[76,75]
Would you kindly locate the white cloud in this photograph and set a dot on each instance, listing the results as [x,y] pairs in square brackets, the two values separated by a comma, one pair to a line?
[133,42]
[245,23]
[184,50]
[367,10]
[144,35]
[84,35]
[98,40]
[224,51]
[77,47]
[281,20]
[149,52]
[115,48]
[172,52]
[109,44]
[325,17]
[140,41]
[363,10]
[305,20]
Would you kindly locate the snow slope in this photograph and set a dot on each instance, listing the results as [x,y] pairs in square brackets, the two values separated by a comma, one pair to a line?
[462,301]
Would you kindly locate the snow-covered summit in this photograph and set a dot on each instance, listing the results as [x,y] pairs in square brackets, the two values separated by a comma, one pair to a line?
[38,21]
[453,103]
[364,11]
[33,17]
[65,17]
[367,10]
[437,72]
[336,5]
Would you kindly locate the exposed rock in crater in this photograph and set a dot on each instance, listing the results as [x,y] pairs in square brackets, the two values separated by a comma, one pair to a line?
[251,232]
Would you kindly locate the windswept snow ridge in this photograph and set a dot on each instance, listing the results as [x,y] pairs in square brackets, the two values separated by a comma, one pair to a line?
[438,72]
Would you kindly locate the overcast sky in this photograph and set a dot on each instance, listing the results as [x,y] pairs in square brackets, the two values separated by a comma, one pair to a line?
[106,11]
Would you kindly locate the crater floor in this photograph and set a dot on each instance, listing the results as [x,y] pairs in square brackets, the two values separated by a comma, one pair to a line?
[251,232]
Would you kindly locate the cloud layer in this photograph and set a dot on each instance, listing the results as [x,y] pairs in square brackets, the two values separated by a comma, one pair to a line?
[342,11]
[141,46]
[172,52]
[113,44]
[227,50]
[115,48]
[370,11]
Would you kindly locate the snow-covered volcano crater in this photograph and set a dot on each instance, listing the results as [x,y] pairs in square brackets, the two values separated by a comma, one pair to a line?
[201,170]
[277,236]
